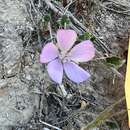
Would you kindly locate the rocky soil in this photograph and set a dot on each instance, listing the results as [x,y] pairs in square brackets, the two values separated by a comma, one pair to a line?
[28,98]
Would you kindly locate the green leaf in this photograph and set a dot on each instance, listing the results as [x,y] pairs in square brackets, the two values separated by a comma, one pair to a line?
[114,62]
[87,36]
[93,38]
[46,18]
[64,20]
[81,37]
[112,125]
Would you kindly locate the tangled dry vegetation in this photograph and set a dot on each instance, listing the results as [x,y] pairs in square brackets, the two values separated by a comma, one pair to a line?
[29,100]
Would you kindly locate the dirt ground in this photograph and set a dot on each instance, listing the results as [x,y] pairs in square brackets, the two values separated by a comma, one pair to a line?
[28,98]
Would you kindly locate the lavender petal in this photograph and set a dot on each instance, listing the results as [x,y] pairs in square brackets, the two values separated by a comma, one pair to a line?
[49,52]
[75,73]
[55,70]
[82,52]
[66,38]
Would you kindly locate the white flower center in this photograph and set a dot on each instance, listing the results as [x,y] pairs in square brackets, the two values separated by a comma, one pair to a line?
[63,56]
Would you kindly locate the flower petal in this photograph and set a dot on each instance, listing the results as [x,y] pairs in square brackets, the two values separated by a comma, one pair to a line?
[55,70]
[66,38]
[82,52]
[49,52]
[75,73]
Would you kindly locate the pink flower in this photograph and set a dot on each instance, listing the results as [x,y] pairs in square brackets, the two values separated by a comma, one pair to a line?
[64,56]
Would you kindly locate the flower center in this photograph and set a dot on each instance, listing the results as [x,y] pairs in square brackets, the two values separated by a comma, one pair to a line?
[63,56]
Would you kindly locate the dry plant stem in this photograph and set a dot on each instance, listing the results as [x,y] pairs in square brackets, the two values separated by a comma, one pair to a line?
[119,113]
[54,127]
[65,26]
[117,73]
[107,113]
[66,8]
[126,12]
[64,93]
[50,30]
[32,6]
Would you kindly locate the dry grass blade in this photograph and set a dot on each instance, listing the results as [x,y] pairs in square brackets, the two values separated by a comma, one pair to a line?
[107,113]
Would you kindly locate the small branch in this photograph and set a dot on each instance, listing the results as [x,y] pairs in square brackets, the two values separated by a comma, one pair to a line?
[64,93]
[67,7]
[48,2]
[117,73]
[50,30]
[54,127]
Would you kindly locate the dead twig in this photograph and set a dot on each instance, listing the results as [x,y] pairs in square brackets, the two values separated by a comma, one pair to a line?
[54,127]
